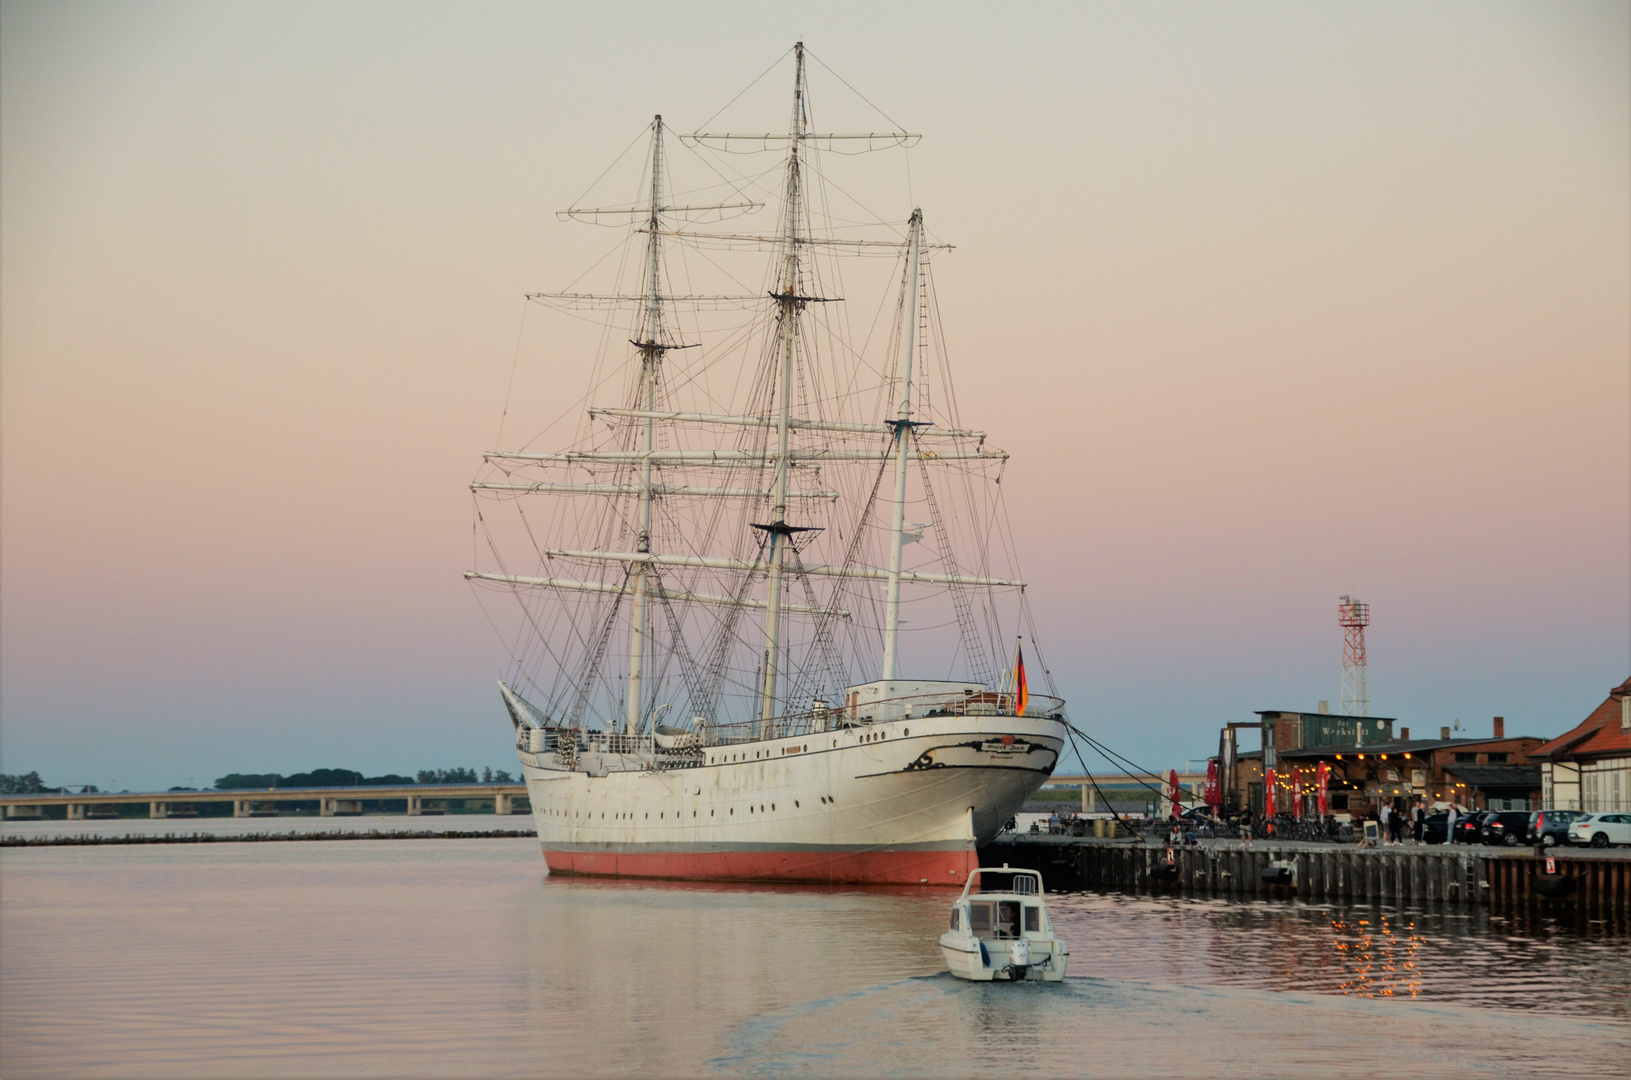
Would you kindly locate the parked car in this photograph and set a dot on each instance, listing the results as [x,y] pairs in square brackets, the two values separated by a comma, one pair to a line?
[1601,830]
[1435,828]
[1551,827]
[1469,828]
[1508,827]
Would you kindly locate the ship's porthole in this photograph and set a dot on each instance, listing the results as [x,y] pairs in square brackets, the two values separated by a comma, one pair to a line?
[773,806]
[733,809]
[693,813]
[648,817]
[750,809]
[710,813]
[905,731]
[795,804]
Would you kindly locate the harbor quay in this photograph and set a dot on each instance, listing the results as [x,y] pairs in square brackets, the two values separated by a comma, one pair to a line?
[413,800]
[1556,878]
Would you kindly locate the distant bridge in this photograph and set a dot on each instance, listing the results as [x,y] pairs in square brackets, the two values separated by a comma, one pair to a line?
[263,802]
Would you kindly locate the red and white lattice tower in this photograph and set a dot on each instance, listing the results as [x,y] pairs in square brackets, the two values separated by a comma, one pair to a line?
[1354,617]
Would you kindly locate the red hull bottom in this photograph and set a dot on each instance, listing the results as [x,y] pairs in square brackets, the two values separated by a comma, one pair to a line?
[946,868]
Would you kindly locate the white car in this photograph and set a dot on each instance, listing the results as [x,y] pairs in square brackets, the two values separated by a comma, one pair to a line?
[1601,830]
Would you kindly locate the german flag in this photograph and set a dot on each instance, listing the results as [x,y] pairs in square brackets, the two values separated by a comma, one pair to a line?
[1022,693]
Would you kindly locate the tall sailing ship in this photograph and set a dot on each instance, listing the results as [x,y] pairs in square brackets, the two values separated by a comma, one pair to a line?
[713,672]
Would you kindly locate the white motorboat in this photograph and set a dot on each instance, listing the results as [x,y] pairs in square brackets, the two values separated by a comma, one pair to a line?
[1000,930]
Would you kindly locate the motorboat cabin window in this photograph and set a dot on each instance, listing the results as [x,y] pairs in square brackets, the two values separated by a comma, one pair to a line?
[1033,919]
[956,918]
[997,919]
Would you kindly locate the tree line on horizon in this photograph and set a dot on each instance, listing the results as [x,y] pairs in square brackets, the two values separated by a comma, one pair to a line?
[29,783]
[353,778]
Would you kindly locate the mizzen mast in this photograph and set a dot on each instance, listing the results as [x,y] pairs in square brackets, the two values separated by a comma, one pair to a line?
[903,442]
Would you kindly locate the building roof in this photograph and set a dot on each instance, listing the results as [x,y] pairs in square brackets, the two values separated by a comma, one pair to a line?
[1489,777]
[1327,716]
[1400,746]
[1597,735]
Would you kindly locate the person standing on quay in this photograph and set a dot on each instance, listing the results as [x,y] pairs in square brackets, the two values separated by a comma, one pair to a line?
[1383,814]
[1420,822]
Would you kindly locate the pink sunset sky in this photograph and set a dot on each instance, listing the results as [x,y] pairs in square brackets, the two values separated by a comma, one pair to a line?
[1269,302]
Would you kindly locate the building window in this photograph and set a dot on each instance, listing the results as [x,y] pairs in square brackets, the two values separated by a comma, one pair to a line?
[1466,759]
[1497,759]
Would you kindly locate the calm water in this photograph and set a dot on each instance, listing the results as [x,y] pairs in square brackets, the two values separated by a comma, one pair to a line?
[460,958]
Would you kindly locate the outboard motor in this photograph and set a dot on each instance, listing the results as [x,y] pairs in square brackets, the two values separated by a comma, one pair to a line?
[1019,959]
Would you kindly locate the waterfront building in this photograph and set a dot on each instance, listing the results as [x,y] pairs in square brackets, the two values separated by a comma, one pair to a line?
[1367,766]
[1589,767]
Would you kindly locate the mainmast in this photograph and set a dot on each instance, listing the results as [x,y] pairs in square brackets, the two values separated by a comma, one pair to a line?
[787,296]
[651,355]
[903,441]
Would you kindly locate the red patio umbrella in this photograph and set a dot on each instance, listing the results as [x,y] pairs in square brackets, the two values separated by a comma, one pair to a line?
[1214,797]
[1172,778]
[1268,795]
[1297,795]
[1325,789]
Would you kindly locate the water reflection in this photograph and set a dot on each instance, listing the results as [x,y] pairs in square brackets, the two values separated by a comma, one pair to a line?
[1527,961]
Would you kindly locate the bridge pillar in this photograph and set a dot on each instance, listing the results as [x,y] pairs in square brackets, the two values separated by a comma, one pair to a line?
[413,806]
[158,810]
[31,813]
[501,804]
[326,807]
[240,807]
[76,811]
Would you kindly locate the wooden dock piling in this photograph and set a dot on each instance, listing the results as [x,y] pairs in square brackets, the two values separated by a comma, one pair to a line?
[1399,876]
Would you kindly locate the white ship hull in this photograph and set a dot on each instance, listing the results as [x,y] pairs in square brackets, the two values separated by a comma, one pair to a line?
[905,802]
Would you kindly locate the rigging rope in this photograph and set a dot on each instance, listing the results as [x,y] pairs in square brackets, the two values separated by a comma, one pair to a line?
[591,666]
[973,643]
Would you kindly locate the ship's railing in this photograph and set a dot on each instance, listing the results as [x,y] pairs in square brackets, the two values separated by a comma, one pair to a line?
[568,743]
[833,718]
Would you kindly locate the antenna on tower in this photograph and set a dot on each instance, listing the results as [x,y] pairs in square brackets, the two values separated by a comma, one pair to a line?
[1353,617]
